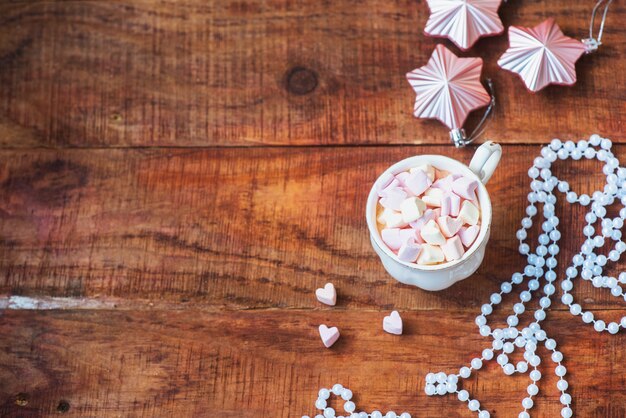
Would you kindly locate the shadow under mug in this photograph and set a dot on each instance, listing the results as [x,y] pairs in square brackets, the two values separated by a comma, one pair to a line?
[439,276]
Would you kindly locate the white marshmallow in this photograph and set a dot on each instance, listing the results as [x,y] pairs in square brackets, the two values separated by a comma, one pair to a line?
[449,226]
[426,168]
[432,234]
[453,249]
[412,209]
[432,197]
[393,219]
[469,213]
[430,254]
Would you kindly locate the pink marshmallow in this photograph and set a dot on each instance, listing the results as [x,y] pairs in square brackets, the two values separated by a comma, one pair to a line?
[449,226]
[409,251]
[386,186]
[393,198]
[417,182]
[395,237]
[465,187]
[468,235]
[453,249]
[446,203]
[445,183]
[428,215]
[455,204]
[401,177]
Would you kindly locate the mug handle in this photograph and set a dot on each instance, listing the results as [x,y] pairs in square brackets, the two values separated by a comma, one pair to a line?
[485,160]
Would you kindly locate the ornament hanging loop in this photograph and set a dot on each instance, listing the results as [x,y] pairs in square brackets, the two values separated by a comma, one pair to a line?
[458,137]
[592,43]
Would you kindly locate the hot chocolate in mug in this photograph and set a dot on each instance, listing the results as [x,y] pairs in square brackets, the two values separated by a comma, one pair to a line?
[439,276]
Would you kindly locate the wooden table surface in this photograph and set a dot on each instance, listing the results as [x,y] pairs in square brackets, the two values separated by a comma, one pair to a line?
[177,177]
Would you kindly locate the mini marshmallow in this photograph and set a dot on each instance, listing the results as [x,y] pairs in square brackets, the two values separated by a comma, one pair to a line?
[426,168]
[393,198]
[393,184]
[433,197]
[391,237]
[468,235]
[445,183]
[401,177]
[453,249]
[455,204]
[417,182]
[446,203]
[393,323]
[409,251]
[327,294]
[428,215]
[395,237]
[449,226]
[432,234]
[469,213]
[412,209]
[329,336]
[465,187]
[430,254]
[383,182]
[392,219]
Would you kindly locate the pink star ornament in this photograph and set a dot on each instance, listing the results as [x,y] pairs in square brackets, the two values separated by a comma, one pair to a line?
[542,55]
[464,21]
[448,88]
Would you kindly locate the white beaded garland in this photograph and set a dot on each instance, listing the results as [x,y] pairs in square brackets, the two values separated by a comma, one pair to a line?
[350,407]
[541,263]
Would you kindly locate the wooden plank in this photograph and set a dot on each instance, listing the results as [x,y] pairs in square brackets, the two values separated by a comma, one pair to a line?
[222,227]
[271,364]
[197,73]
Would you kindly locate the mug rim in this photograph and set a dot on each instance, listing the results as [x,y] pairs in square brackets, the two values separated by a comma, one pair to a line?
[485,202]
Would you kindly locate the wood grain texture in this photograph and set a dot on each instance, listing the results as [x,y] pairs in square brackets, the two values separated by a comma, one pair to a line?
[222,227]
[270,364]
[198,73]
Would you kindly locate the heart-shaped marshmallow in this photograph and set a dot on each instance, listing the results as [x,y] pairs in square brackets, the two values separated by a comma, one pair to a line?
[393,323]
[468,235]
[327,295]
[329,335]
[449,226]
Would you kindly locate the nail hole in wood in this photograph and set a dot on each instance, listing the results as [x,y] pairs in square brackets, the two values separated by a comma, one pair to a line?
[63,407]
[301,81]
[21,399]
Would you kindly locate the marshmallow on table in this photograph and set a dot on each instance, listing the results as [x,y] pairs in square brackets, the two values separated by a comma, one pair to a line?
[465,187]
[426,168]
[469,213]
[417,182]
[432,234]
[409,251]
[412,208]
[468,235]
[432,197]
[327,294]
[393,198]
[449,226]
[329,335]
[453,249]
[430,254]
[394,237]
[393,323]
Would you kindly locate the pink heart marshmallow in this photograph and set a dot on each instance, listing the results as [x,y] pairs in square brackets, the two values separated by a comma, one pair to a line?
[468,235]
[329,335]
[327,294]
[453,249]
[393,198]
[409,251]
[417,182]
[393,323]
[449,226]
[465,187]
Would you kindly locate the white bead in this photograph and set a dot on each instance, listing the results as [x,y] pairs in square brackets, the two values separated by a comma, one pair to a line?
[484,414]
[346,395]
[320,403]
[465,372]
[560,371]
[522,366]
[430,389]
[487,354]
[376,414]
[476,363]
[405,415]
[599,325]
[562,385]
[523,414]
[509,369]
[527,403]
[323,394]
[535,375]
[441,377]
[337,388]
[566,412]
[463,395]
[391,414]
[329,413]
[533,389]
[557,356]
[473,405]
[349,406]
[566,399]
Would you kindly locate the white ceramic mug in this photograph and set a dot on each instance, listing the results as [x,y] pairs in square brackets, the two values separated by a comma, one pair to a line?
[439,276]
